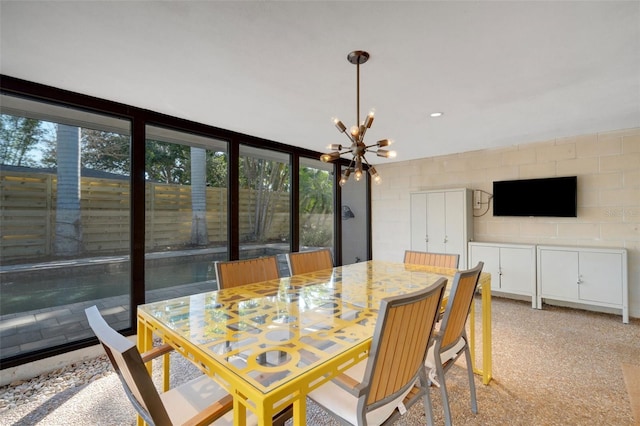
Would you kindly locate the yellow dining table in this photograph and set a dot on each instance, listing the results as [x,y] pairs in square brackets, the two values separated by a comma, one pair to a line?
[269,344]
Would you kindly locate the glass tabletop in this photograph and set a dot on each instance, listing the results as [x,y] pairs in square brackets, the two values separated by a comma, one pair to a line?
[271,332]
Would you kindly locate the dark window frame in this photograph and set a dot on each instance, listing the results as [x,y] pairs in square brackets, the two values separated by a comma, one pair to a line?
[139,119]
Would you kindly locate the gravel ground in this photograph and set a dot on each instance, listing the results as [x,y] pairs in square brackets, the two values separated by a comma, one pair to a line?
[551,367]
[68,396]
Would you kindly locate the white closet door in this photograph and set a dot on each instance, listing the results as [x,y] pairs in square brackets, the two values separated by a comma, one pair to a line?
[559,274]
[600,277]
[454,223]
[418,222]
[436,231]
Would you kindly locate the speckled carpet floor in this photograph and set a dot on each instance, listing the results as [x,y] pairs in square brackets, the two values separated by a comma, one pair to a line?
[555,366]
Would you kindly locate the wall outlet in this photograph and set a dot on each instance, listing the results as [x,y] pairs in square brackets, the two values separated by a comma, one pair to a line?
[477,199]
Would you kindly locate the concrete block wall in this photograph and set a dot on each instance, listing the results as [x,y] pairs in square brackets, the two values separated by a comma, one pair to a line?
[608,168]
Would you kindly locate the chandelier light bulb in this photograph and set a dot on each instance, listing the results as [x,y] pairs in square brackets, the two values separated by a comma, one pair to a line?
[358,148]
[345,177]
[330,156]
[368,121]
[374,174]
[386,154]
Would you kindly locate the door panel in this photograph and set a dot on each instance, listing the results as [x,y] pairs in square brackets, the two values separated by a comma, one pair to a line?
[559,274]
[436,222]
[515,265]
[600,277]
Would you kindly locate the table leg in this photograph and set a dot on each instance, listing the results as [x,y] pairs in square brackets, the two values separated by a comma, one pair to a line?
[472,337]
[486,333]
[239,413]
[300,411]
[486,370]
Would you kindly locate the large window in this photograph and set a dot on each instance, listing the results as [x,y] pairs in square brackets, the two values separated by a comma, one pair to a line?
[265,203]
[316,187]
[186,212]
[108,204]
[64,220]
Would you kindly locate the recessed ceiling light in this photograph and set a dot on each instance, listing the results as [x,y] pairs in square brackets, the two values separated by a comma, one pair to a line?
[436,114]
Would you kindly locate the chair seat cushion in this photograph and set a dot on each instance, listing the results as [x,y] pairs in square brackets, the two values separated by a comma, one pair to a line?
[340,402]
[445,356]
[185,401]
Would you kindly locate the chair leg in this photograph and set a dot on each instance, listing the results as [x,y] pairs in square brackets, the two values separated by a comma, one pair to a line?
[472,385]
[443,392]
[428,407]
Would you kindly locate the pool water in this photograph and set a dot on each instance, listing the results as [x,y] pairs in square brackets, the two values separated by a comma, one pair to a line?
[32,293]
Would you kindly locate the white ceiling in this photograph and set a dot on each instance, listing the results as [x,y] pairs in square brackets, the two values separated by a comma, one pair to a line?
[503,73]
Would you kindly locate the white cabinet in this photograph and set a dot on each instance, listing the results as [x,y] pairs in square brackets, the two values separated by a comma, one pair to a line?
[512,267]
[591,276]
[442,221]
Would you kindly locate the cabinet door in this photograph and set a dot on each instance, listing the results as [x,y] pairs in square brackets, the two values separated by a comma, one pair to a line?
[559,274]
[419,222]
[516,270]
[454,217]
[491,257]
[436,222]
[600,277]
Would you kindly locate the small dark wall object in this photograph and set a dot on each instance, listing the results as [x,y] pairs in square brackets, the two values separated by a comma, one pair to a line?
[347,213]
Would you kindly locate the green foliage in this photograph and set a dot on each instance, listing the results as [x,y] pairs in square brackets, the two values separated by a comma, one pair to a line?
[316,207]
[267,178]
[19,139]
[312,236]
[217,166]
[167,162]
[316,191]
[105,151]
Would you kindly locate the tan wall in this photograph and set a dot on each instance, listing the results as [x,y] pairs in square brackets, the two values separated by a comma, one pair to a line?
[608,168]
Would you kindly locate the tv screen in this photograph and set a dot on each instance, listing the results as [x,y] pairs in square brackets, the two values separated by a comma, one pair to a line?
[551,197]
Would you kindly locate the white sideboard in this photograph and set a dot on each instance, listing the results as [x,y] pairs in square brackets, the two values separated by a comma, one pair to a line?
[442,221]
[512,267]
[589,276]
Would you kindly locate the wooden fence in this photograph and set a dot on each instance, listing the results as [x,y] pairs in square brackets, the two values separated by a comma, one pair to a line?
[27,215]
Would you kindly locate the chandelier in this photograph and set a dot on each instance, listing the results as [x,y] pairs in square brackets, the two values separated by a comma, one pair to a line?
[357,147]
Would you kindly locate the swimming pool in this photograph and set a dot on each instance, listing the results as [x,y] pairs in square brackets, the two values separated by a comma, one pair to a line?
[45,290]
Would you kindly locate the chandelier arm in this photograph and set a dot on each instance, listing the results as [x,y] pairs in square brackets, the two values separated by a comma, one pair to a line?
[350,137]
[351,162]
[362,133]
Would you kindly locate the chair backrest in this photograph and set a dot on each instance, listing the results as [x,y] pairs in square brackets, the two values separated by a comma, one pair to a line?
[240,272]
[400,342]
[459,304]
[309,261]
[444,260]
[127,363]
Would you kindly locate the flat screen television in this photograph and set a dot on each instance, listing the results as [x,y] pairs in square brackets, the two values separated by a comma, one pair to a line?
[551,197]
